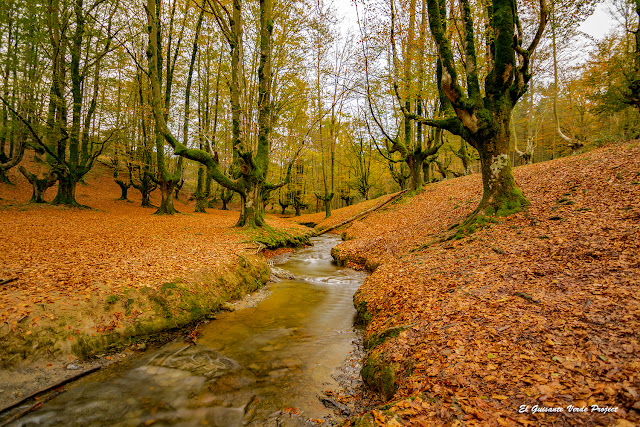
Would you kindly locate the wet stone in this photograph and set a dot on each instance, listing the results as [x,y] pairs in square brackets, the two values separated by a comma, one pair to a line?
[199,360]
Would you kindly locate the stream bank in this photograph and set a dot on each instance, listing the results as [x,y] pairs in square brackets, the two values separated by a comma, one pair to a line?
[280,361]
[538,308]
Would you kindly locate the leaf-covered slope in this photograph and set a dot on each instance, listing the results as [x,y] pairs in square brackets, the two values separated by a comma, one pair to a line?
[541,308]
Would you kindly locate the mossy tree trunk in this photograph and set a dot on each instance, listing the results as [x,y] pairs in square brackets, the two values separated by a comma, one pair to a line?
[225,197]
[483,120]
[632,96]
[201,195]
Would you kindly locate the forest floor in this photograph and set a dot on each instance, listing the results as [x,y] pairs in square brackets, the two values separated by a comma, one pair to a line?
[541,308]
[87,281]
[532,320]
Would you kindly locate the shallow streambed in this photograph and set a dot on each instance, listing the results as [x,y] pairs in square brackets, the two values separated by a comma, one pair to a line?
[259,365]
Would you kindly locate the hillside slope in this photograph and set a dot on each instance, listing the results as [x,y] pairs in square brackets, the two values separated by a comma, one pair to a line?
[541,308]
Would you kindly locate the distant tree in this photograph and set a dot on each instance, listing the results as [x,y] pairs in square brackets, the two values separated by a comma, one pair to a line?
[249,167]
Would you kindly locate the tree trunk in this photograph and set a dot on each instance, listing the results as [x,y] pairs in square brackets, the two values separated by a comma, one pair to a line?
[40,185]
[501,195]
[146,187]
[124,189]
[251,210]
[7,162]
[67,182]
[166,203]
[146,197]
[415,162]
[177,188]
[225,197]
[201,195]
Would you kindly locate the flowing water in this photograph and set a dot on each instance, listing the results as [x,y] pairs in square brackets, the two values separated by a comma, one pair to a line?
[259,366]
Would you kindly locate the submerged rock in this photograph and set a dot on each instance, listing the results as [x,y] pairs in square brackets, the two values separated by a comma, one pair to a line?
[279,274]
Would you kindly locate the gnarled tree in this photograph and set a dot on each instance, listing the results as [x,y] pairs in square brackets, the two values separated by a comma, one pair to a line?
[249,169]
[482,118]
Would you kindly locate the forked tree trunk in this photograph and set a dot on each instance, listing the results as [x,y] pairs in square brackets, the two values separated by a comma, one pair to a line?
[146,197]
[251,208]
[124,189]
[39,185]
[166,202]
[67,182]
[225,197]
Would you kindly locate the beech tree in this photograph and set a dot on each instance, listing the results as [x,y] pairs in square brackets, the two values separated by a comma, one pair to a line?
[249,168]
[482,117]
[632,95]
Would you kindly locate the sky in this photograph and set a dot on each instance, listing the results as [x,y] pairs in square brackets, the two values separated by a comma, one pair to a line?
[597,25]
[600,23]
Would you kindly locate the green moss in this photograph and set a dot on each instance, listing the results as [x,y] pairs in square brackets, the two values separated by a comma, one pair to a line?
[375,340]
[273,238]
[380,376]
[344,236]
[128,305]
[112,299]
[169,285]
[363,316]
[470,227]
[406,197]
[157,312]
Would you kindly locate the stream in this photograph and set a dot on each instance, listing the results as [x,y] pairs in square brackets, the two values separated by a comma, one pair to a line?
[265,365]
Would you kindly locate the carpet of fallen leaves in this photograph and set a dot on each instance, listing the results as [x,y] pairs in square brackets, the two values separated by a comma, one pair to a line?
[542,308]
[63,257]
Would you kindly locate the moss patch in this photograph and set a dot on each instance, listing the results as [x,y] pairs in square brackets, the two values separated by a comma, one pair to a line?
[363,316]
[375,340]
[379,375]
[273,238]
[507,203]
